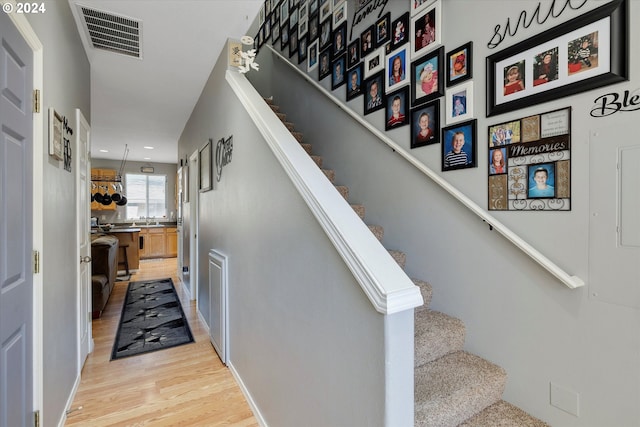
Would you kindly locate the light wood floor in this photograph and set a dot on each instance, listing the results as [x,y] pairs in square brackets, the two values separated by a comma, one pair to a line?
[180,386]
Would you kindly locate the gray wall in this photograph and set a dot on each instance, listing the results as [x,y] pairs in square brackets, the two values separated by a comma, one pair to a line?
[134,167]
[304,338]
[517,315]
[66,87]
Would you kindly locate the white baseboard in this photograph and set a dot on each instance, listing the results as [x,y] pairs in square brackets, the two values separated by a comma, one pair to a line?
[72,395]
[247,395]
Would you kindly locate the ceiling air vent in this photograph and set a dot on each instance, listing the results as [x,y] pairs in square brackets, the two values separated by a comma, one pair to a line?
[111,32]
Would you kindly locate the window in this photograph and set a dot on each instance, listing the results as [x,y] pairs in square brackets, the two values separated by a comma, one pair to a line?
[146,195]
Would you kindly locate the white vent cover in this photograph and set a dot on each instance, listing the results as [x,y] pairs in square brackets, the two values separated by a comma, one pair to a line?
[114,33]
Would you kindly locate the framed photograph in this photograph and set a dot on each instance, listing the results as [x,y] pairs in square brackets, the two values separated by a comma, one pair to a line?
[261,14]
[459,146]
[206,183]
[303,26]
[400,31]
[340,14]
[284,11]
[312,56]
[325,33]
[293,40]
[396,66]
[275,32]
[416,6]
[313,7]
[459,64]
[382,29]
[293,16]
[339,40]
[326,9]
[373,93]
[366,41]
[313,30]
[459,104]
[425,30]
[505,134]
[425,124]
[338,67]
[284,35]
[55,135]
[541,181]
[427,82]
[354,82]
[303,10]
[397,109]
[353,54]
[587,52]
[374,62]
[497,161]
[325,64]
[302,49]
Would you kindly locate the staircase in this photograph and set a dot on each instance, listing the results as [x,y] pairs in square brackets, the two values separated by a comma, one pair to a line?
[452,387]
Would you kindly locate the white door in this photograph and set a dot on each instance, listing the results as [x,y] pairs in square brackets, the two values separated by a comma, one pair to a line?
[83,176]
[16,227]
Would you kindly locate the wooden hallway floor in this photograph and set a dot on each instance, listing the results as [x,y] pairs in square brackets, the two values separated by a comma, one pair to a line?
[180,386]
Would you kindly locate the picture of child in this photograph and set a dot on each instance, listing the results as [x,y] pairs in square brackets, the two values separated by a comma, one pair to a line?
[428,80]
[540,181]
[456,157]
[546,67]
[496,163]
[513,78]
[459,146]
[395,114]
[583,53]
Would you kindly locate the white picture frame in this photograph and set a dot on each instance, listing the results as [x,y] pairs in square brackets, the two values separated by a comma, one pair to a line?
[459,103]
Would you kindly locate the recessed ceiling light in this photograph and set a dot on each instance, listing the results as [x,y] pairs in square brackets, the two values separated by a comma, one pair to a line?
[149,148]
[104,151]
[147,158]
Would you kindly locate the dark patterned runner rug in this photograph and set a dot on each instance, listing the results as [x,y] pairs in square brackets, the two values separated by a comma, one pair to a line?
[152,319]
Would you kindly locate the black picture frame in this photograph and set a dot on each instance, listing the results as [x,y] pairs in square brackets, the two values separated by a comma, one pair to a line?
[432,136]
[353,54]
[459,63]
[354,91]
[382,30]
[293,40]
[325,33]
[313,28]
[400,31]
[367,41]
[468,131]
[569,80]
[205,162]
[284,35]
[338,70]
[397,99]
[373,103]
[339,40]
[302,48]
[419,71]
[324,69]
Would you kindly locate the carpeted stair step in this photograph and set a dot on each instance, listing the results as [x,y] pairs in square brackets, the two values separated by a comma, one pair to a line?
[318,160]
[400,257]
[297,136]
[274,108]
[503,414]
[307,147]
[289,126]
[377,231]
[454,388]
[343,190]
[268,100]
[426,290]
[282,117]
[436,335]
[330,174]
[359,210]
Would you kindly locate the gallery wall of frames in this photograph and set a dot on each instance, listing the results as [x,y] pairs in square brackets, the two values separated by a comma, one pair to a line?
[400,64]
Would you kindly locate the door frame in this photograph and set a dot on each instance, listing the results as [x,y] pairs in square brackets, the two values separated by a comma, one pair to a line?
[194,193]
[27,32]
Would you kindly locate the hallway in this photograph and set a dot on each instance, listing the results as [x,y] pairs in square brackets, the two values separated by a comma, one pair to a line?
[181,386]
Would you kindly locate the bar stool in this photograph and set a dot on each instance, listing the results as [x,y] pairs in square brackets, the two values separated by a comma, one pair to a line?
[124,258]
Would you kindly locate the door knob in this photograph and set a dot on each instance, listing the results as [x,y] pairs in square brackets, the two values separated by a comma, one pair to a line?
[86,259]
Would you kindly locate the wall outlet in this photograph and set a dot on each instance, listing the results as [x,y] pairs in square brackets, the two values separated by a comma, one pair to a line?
[565,399]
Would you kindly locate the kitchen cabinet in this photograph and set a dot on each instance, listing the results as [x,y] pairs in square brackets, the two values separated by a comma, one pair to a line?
[102,178]
[158,242]
[172,242]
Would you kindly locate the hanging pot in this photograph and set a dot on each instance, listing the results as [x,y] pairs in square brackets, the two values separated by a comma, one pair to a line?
[106,198]
[98,197]
[115,196]
[122,201]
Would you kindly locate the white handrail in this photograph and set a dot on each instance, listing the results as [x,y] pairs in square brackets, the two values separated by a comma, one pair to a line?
[569,280]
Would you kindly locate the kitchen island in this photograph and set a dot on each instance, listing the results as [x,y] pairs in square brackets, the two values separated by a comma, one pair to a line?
[129,237]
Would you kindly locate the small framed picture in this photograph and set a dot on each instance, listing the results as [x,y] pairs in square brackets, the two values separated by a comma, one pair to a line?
[325,64]
[382,29]
[427,82]
[459,105]
[284,11]
[366,41]
[374,62]
[497,161]
[284,35]
[293,40]
[373,93]
[400,31]
[425,124]
[396,63]
[459,146]
[339,40]
[397,108]
[459,64]
[325,9]
[325,33]
[416,6]
[55,134]
[425,29]
[340,14]
[313,30]
[275,31]
[354,82]
[338,68]
[506,133]
[312,56]
[303,26]
[302,49]
[303,10]
[293,16]
[313,7]
[206,183]
[353,54]
[541,182]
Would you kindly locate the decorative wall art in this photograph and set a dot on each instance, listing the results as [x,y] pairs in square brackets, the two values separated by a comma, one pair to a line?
[354,82]
[426,77]
[399,31]
[530,163]
[425,30]
[312,56]
[459,103]
[585,53]
[205,157]
[55,135]
[325,64]
[373,93]
[459,145]
[374,62]
[339,66]
[425,124]
[459,64]
[397,109]
[396,69]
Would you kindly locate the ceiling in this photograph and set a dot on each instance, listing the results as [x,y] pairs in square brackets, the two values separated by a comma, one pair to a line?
[146,101]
